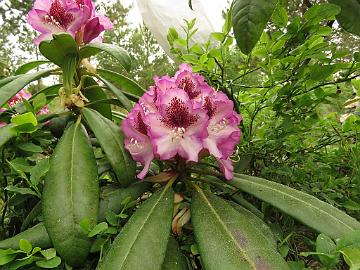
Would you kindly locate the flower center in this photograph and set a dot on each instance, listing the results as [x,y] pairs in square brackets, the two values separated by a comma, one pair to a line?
[189,86]
[209,107]
[178,115]
[58,16]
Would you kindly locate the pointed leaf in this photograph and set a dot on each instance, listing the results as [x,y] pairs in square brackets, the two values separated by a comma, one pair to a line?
[36,235]
[117,92]
[71,194]
[25,68]
[227,240]
[61,46]
[249,18]
[112,142]
[10,89]
[349,16]
[144,236]
[318,215]
[118,53]
[174,260]
[126,84]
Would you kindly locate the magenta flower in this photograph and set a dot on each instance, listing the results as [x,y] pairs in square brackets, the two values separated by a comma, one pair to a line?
[182,117]
[76,17]
[2,124]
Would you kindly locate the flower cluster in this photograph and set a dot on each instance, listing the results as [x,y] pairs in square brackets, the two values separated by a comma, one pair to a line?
[76,17]
[18,98]
[182,117]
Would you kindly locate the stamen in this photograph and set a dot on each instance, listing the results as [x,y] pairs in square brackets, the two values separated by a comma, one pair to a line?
[219,126]
[135,146]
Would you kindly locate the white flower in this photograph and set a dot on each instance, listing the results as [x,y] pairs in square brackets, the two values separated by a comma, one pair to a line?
[160,15]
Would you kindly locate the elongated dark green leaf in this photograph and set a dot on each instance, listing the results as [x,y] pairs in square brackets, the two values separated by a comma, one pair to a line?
[71,195]
[8,79]
[124,82]
[112,142]
[117,92]
[6,134]
[258,223]
[226,238]
[57,49]
[10,89]
[174,260]
[118,53]
[349,16]
[37,236]
[142,242]
[249,18]
[96,93]
[25,68]
[317,214]
[111,198]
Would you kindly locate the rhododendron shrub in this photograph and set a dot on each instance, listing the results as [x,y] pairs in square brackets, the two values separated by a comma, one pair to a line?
[99,173]
[182,118]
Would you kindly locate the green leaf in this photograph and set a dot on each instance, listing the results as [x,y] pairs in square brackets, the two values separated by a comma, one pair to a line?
[22,191]
[280,16]
[39,171]
[325,244]
[36,235]
[25,68]
[257,223]
[30,147]
[349,15]
[52,263]
[6,133]
[6,258]
[249,18]
[95,93]
[10,89]
[26,118]
[318,215]
[227,240]
[98,229]
[59,48]
[111,198]
[18,264]
[117,92]
[118,53]
[350,240]
[174,260]
[321,12]
[25,245]
[39,102]
[352,258]
[71,194]
[127,85]
[112,142]
[48,253]
[144,236]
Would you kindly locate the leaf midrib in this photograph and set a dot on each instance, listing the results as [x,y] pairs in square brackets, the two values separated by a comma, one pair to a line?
[297,199]
[227,230]
[142,226]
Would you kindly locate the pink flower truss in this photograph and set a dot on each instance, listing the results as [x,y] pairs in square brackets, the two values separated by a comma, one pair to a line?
[76,17]
[181,117]
[18,98]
